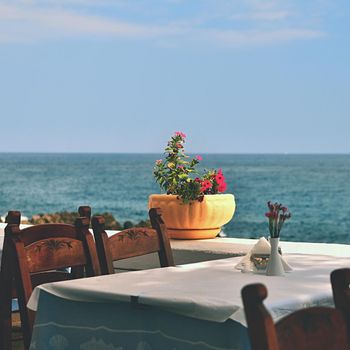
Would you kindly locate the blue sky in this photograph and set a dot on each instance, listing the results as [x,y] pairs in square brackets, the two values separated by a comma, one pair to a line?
[242,76]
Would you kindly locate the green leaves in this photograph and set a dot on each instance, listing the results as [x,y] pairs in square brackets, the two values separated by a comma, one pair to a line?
[173,172]
[178,175]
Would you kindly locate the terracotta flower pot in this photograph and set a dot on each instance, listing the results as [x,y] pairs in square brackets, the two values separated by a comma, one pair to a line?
[196,220]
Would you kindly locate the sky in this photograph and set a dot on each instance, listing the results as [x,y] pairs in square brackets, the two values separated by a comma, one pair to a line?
[239,76]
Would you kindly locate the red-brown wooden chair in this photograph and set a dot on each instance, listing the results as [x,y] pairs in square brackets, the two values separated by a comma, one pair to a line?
[7,287]
[132,242]
[39,254]
[315,328]
[340,280]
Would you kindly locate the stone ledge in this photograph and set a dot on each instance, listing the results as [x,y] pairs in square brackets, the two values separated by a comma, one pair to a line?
[239,246]
[189,251]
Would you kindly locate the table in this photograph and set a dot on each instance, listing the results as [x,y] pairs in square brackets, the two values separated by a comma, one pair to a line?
[195,306]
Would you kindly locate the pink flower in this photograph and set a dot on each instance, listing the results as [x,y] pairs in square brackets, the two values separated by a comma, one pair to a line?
[181,134]
[181,167]
[198,157]
[178,145]
[222,187]
[159,161]
[219,178]
[197,179]
[206,184]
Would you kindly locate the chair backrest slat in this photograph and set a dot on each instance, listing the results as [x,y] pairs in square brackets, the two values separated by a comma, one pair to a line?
[132,242]
[35,233]
[313,328]
[55,253]
[50,276]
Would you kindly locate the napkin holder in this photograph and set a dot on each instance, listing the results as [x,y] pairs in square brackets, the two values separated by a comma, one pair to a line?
[260,261]
[257,259]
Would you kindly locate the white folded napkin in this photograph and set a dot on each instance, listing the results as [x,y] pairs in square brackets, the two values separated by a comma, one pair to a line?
[261,247]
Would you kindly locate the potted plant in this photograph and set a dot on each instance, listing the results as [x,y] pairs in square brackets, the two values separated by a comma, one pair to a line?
[194,206]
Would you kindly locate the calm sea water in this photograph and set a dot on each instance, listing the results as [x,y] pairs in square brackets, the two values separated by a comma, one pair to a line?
[315,188]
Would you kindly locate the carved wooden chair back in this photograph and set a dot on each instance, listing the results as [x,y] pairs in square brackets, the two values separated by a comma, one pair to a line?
[42,253]
[315,328]
[132,242]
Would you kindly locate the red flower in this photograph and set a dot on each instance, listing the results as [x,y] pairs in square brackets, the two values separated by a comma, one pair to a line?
[222,187]
[197,179]
[206,185]
[219,178]
[198,157]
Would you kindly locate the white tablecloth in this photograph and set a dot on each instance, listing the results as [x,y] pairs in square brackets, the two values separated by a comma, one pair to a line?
[207,290]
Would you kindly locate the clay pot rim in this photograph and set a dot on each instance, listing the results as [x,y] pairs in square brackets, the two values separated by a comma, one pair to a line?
[208,197]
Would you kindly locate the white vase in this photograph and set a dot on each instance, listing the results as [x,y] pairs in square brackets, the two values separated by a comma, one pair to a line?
[274,266]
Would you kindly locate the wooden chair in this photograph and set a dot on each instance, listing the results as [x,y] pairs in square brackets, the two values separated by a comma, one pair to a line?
[132,242]
[7,286]
[315,328]
[40,254]
[340,280]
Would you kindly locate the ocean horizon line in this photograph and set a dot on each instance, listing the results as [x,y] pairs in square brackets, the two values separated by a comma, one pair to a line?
[191,153]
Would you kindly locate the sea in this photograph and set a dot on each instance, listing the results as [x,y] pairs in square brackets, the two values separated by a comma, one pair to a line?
[315,188]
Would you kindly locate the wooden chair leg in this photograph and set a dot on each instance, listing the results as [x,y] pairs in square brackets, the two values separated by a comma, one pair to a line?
[5,318]
[5,304]
[5,329]
[26,323]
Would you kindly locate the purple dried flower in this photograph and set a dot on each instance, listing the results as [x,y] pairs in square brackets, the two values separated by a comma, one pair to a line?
[277,215]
